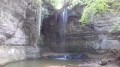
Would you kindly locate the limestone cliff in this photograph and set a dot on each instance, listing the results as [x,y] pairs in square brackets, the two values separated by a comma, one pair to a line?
[19,30]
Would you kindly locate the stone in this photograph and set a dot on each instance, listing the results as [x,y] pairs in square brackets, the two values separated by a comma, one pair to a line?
[95,37]
[16,53]
[19,30]
[103,62]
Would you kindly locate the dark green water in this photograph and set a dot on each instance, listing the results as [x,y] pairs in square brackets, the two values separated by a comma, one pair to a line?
[45,63]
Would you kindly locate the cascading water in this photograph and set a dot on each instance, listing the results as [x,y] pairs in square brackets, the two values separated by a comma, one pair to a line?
[54,29]
[62,24]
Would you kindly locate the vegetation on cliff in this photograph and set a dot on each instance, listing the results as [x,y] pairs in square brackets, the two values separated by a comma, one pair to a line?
[92,8]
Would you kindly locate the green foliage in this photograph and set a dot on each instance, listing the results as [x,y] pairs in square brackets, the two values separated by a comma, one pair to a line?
[76,2]
[116,26]
[115,4]
[57,4]
[93,8]
[38,2]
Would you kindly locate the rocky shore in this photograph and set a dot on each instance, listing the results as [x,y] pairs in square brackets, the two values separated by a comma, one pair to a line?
[16,53]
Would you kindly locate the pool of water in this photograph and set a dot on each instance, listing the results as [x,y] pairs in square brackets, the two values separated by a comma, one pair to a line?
[45,63]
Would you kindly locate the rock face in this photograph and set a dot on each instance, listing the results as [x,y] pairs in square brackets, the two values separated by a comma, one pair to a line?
[97,36]
[104,25]
[15,53]
[19,30]
[93,38]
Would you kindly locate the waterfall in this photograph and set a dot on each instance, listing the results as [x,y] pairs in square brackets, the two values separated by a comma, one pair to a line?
[63,21]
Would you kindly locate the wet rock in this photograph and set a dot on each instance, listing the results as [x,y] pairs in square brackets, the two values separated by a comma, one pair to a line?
[93,37]
[68,57]
[18,30]
[103,62]
[16,53]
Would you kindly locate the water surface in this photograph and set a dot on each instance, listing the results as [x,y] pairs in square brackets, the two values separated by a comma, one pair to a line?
[45,63]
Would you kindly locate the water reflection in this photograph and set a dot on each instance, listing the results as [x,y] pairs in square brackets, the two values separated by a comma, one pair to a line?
[45,63]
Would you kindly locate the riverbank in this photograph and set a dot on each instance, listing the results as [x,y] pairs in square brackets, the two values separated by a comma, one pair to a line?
[104,60]
[16,53]
[93,60]
[57,63]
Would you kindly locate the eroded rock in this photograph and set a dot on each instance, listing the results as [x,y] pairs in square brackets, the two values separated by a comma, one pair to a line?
[19,30]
